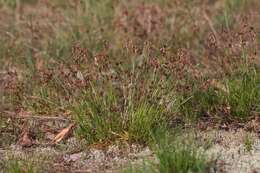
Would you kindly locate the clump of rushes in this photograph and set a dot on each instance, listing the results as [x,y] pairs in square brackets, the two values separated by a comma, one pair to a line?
[100,119]
[174,153]
[129,99]
[104,115]
[127,102]
[133,67]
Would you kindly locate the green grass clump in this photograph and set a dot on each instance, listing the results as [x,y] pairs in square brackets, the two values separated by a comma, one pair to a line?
[248,143]
[175,154]
[200,103]
[143,120]
[243,95]
[107,117]
[97,116]
[108,111]
[127,68]
[180,156]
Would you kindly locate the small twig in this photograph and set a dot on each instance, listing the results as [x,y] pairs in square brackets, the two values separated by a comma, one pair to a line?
[9,114]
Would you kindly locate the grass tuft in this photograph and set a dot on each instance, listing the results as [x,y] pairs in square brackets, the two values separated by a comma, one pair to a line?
[104,117]
[244,95]
[174,153]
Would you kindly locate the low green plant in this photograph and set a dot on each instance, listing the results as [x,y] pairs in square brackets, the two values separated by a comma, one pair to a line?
[243,95]
[175,154]
[97,116]
[104,117]
[199,103]
[143,120]
[115,107]
[248,143]
[179,154]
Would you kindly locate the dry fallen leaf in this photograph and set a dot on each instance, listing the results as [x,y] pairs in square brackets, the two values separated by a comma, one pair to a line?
[64,133]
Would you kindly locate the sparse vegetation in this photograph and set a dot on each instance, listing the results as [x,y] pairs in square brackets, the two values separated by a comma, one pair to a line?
[16,166]
[248,143]
[243,96]
[120,70]
[175,153]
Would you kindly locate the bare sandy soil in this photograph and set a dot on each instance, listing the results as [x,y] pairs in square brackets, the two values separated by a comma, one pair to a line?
[229,148]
